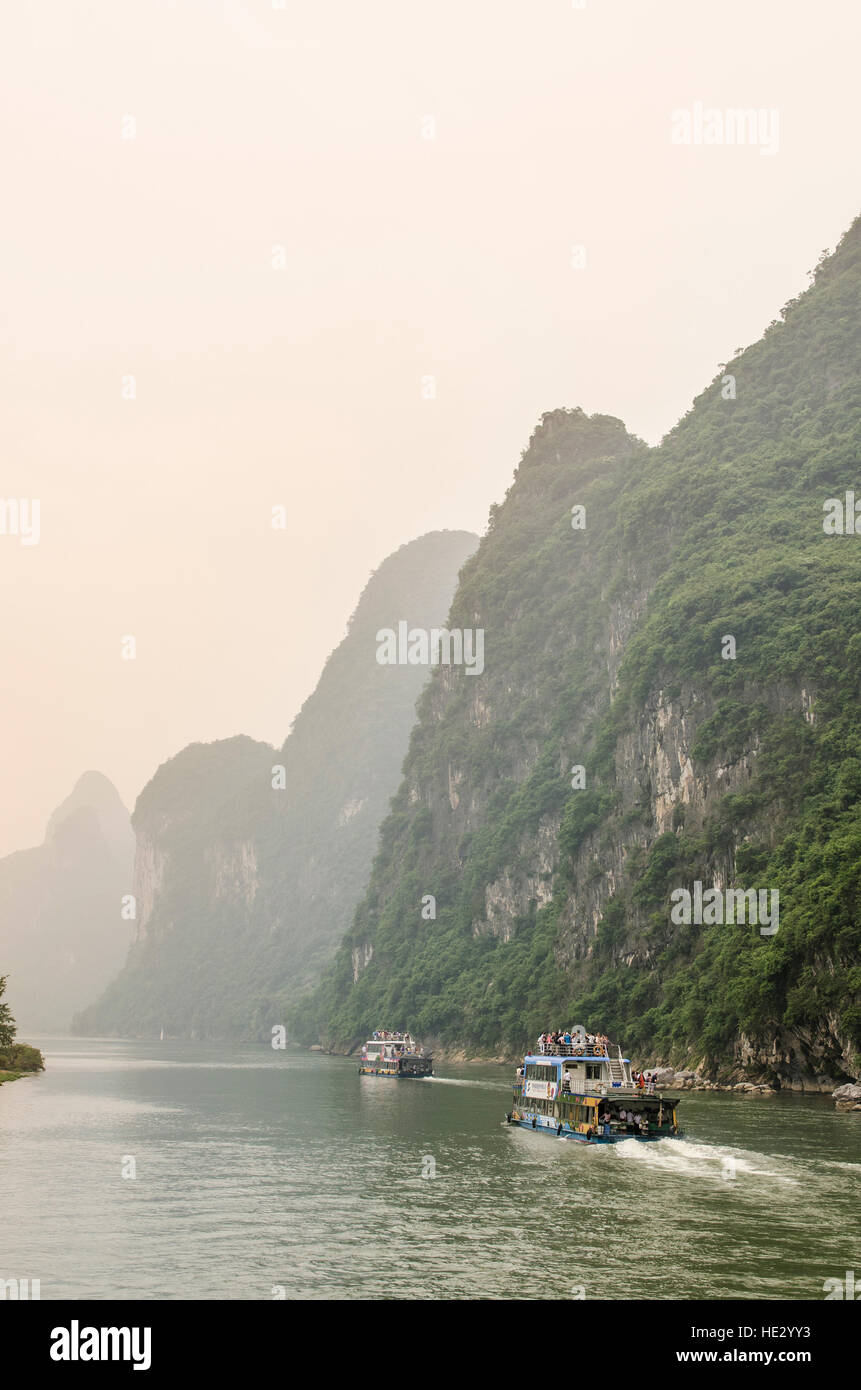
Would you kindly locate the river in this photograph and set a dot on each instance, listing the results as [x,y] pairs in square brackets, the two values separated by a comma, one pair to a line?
[260,1174]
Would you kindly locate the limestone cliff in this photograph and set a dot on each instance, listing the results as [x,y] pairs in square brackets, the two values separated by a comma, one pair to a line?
[250,859]
[671,698]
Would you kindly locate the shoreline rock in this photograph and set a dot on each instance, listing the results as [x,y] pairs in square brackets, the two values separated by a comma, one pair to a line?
[848,1097]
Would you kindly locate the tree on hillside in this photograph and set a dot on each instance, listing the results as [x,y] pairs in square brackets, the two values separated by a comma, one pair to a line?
[8,1028]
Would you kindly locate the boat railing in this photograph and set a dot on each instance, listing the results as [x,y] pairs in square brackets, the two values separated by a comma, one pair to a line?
[582,1088]
[572,1050]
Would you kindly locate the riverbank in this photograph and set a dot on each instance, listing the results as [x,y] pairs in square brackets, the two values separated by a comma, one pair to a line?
[19,1059]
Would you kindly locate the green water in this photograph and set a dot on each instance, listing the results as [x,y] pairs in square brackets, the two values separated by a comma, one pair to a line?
[259,1171]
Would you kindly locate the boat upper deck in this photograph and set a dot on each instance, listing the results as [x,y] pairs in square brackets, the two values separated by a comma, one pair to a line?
[392,1045]
[581,1071]
[585,1051]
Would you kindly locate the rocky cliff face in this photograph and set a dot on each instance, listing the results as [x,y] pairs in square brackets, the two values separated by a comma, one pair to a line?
[670,698]
[250,859]
[62,930]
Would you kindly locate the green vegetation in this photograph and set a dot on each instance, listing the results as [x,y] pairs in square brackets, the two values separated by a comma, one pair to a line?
[603,648]
[16,1058]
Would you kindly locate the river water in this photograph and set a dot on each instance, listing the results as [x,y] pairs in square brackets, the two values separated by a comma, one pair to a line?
[261,1174]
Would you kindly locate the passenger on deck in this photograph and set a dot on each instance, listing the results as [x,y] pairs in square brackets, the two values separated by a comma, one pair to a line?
[553,1041]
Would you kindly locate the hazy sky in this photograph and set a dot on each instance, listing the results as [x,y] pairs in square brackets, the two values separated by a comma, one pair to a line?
[405,257]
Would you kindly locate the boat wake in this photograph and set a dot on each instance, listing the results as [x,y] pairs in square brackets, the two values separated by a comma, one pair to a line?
[458,1081]
[686,1157]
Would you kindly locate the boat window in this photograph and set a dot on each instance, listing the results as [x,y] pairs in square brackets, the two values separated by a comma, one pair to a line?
[534,1105]
[534,1071]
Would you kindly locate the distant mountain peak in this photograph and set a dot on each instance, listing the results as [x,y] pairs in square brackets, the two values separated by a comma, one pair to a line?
[62,930]
[96,792]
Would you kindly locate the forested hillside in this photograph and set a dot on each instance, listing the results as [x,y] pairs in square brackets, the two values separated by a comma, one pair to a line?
[730,763]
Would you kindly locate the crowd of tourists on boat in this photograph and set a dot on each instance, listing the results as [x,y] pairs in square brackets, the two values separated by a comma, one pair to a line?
[560,1040]
[399,1043]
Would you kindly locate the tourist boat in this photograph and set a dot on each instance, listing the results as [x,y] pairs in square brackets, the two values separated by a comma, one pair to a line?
[569,1089]
[394,1054]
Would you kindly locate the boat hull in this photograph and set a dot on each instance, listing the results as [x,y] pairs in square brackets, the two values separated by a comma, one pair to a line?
[415,1075]
[550,1126]
[553,1131]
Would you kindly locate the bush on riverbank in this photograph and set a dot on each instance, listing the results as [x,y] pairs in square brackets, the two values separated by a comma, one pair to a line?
[15,1058]
[20,1057]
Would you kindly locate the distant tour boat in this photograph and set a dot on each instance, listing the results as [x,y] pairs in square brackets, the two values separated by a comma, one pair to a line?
[579,1090]
[394,1054]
